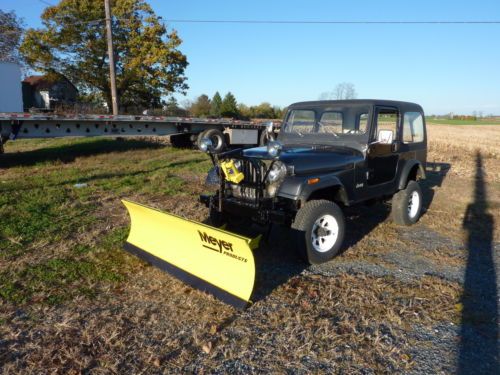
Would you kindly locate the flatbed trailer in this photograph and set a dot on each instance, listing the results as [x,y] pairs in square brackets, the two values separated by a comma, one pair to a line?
[183,131]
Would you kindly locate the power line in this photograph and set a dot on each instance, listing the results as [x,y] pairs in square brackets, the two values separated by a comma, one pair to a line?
[46,3]
[333,22]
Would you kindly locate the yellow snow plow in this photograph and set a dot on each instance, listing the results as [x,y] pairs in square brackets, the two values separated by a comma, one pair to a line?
[207,258]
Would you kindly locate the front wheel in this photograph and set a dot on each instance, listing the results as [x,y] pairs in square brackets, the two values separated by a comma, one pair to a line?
[319,228]
[407,204]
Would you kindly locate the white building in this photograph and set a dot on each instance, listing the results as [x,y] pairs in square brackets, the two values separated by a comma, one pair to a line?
[11,97]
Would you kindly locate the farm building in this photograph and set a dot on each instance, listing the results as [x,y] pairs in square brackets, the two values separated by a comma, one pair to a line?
[48,91]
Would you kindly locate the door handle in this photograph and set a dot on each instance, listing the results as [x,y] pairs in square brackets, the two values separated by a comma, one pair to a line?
[395,146]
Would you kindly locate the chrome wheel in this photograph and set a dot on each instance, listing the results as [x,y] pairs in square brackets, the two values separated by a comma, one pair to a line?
[324,233]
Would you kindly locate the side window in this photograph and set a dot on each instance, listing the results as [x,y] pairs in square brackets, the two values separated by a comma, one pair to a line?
[363,122]
[386,125]
[331,122]
[413,127]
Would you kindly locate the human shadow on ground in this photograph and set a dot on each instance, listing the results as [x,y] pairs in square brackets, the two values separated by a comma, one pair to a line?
[69,152]
[478,353]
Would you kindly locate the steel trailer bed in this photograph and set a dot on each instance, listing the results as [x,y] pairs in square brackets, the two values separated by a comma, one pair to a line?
[24,125]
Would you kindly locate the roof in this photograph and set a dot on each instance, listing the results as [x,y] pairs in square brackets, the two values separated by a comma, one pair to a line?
[45,81]
[358,102]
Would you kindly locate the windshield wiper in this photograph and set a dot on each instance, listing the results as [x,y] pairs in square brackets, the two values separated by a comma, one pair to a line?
[322,126]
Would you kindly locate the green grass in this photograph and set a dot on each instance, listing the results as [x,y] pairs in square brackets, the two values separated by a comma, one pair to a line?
[46,251]
[440,121]
[73,274]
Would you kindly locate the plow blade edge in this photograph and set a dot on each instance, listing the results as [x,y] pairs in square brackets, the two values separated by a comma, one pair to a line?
[207,258]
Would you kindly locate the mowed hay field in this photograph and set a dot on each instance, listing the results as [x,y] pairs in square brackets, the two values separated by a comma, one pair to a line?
[421,299]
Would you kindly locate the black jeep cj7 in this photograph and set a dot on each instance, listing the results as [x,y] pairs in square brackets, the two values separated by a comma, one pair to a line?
[328,155]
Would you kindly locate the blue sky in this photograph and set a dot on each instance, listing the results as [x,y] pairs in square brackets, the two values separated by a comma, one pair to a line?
[445,68]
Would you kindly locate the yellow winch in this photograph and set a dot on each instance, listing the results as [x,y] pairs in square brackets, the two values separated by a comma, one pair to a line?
[231,173]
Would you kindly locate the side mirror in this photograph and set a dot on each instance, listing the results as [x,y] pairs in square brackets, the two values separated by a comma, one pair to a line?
[270,130]
[269,126]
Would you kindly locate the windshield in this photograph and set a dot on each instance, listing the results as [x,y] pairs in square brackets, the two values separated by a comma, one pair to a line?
[326,125]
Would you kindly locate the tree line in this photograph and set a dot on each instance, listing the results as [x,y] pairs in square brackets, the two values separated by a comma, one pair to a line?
[215,107]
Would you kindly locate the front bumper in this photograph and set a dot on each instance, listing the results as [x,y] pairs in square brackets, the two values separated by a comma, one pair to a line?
[265,211]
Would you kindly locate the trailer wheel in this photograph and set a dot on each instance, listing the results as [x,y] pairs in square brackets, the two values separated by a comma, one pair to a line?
[319,231]
[217,138]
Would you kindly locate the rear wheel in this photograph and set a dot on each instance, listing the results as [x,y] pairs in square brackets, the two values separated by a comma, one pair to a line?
[319,229]
[407,204]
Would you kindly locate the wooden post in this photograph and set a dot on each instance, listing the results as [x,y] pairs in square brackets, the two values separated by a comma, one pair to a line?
[112,76]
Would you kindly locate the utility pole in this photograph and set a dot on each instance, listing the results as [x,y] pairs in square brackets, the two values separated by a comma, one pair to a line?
[111,56]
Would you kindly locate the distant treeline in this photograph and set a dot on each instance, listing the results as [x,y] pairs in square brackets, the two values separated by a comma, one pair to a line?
[203,106]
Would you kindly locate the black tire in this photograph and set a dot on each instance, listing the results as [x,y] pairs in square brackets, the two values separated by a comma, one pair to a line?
[217,138]
[403,211]
[306,222]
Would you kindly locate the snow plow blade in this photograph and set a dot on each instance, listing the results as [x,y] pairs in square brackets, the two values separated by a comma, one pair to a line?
[207,258]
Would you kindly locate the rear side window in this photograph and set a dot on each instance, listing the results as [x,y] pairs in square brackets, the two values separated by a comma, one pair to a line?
[301,121]
[413,127]
[331,122]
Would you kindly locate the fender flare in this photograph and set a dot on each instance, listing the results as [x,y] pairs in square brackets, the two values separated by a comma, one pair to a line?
[408,166]
[298,189]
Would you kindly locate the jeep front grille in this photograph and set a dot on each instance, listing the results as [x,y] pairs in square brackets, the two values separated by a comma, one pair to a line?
[251,188]
[253,172]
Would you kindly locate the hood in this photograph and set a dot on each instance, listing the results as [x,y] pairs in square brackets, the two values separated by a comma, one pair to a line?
[311,159]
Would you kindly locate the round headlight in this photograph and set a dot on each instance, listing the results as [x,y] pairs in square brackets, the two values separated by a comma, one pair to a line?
[277,172]
[206,144]
[274,148]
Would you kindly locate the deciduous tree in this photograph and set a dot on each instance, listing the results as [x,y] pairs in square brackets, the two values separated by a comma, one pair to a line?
[10,36]
[201,106]
[72,41]
[342,91]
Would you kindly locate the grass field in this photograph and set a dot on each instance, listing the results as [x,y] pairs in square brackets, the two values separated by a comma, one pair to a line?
[405,300]
[483,121]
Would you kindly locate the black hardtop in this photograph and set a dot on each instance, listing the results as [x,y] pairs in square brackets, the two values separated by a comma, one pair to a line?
[404,106]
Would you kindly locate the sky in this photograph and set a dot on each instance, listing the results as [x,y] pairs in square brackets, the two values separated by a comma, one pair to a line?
[445,68]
